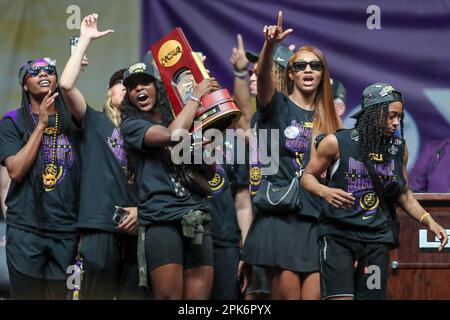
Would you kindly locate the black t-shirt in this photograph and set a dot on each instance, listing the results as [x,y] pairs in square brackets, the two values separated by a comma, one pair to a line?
[162,197]
[57,215]
[295,130]
[224,228]
[104,179]
[365,220]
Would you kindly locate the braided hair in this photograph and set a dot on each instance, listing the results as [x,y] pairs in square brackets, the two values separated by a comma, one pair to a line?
[371,126]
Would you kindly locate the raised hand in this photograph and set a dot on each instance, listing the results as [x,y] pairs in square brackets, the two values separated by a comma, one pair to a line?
[43,108]
[89,28]
[275,34]
[238,59]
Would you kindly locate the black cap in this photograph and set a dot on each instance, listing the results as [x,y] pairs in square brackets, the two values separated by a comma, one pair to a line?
[139,70]
[281,55]
[378,93]
[116,77]
[339,90]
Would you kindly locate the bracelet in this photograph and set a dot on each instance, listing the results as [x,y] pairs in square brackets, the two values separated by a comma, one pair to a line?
[426,214]
[193,98]
[240,74]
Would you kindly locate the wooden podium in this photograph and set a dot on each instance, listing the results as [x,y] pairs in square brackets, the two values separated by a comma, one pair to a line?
[417,269]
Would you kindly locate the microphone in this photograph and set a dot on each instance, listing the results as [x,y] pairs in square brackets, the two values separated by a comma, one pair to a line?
[423,174]
[436,159]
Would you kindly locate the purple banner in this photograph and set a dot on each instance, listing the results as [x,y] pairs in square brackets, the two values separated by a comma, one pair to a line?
[404,43]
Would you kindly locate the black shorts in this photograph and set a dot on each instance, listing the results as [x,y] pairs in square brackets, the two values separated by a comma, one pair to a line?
[39,257]
[165,243]
[225,283]
[350,268]
[110,266]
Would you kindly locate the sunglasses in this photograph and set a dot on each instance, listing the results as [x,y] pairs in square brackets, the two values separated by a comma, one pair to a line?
[251,72]
[34,71]
[301,65]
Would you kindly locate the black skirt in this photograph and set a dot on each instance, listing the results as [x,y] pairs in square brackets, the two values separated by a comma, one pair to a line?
[287,240]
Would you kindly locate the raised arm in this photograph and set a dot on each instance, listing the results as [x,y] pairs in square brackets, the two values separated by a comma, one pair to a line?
[326,154]
[241,84]
[413,208]
[266,85]
[73,97]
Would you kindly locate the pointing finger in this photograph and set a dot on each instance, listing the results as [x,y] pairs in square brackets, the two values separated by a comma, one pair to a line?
[240,42]
[280,19]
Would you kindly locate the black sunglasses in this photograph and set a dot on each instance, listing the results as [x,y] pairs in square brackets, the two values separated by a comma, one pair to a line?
[301,65]
[251,72]
[35,70]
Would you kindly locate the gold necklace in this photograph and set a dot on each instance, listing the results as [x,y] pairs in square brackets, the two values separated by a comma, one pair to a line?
[50,172]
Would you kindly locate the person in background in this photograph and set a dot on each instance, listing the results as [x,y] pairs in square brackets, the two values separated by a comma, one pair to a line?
[108,249]
[231,214]
[431,172]
[245,91]
[339,97]
[245,84]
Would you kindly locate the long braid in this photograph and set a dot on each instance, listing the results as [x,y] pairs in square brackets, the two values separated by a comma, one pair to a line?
[402,134]
[36,171]
[371,127]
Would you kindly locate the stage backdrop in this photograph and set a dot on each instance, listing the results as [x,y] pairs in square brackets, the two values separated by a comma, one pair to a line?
[405,43]
[41,28]
[411,48]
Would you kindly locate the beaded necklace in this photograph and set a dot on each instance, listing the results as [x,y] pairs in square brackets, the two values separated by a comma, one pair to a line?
[50,169]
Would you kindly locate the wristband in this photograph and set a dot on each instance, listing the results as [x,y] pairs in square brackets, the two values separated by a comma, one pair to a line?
[193,98]
[240,74]
[426,214]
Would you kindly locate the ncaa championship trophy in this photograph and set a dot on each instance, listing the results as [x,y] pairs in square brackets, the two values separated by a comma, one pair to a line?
[180,70]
